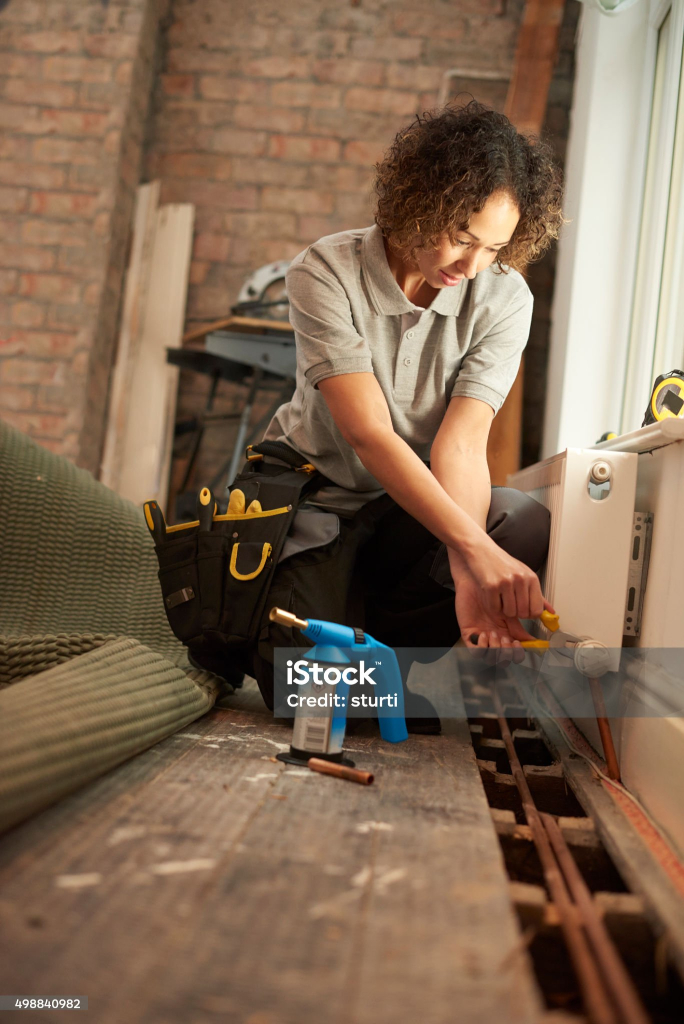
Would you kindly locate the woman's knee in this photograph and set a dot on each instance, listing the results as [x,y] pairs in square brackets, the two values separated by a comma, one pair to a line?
[520,525]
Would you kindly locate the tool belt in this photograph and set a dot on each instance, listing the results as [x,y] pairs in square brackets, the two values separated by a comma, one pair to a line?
[221,574]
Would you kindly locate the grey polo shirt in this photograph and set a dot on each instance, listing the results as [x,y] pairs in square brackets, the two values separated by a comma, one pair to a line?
[350,316]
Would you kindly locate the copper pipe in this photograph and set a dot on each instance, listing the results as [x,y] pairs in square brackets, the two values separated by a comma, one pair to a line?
[618,980]
[604,729]
[595,997]
[340,771]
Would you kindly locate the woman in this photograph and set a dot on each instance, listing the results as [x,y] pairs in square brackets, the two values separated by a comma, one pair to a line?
[409,336]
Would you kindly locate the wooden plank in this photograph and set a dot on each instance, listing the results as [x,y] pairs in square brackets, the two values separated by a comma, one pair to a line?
[232,884]
[535,58]
[146,454]
[237,323]
[132,318]
[645,873]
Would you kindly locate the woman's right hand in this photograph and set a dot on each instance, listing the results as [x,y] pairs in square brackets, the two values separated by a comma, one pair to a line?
[508,587]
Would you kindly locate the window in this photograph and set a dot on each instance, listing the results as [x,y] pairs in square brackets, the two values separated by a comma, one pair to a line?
[656,339]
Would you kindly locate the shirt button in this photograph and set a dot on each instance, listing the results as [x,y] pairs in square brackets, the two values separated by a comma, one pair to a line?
[410,334]
[407,362]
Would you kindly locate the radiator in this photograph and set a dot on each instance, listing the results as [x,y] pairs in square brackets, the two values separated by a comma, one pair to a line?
[586,581]
[591,497]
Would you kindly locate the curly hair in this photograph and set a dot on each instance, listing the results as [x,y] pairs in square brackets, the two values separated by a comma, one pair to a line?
[444,166]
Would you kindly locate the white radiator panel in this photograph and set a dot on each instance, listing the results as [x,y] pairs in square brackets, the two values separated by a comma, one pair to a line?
[585,578]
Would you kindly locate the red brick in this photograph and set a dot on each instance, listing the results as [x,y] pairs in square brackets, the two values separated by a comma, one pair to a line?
[366,153]
[25,257]
[21,66]
[297,200]
[50,287]
[68,318]
[195,165]
[356,209]
[73,122]
[63,205]
[37,424]
[13,200]
[214,248]
[48,42]
[77,69]
[124,73]
[25,314]
[310,228]
[102,223]
[67,151]
[349,72]
[360,125]
[277,67]
[23,90]
[271,119]
[381,101]
[431,24]
[8,282]
[10,229]
[262,225]
[414,76]
[111,44]
[188,59]
[24,12]
[233,141]
[92,294]
[342,178]
[277,249]
[240,90]
[46,232]
[38,344]
[198,272]
[304,148]
[84,262]
[15,147]
[305,94]
[17,397]
[387,48]
[178,85]
[222,195]
[29,174]
[271,172]
[16,116]
[112,144]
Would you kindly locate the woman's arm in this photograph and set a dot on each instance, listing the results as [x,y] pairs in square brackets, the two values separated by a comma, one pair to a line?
[459,456]
[359,408]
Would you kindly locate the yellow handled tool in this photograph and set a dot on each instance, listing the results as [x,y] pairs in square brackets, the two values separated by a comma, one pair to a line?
[548,619]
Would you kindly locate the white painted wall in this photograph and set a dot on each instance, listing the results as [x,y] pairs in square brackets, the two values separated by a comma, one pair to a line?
[597,253]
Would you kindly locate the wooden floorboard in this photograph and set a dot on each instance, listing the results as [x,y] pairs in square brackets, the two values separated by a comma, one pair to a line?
[203,880]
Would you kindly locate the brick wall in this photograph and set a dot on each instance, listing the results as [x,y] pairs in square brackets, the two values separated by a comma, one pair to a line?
[267,117]
[270,117]
[75,81]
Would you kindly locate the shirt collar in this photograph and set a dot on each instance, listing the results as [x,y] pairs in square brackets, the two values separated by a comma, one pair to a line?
[386,296]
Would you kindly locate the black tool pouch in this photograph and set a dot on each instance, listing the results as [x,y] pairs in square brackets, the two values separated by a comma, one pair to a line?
[216,573]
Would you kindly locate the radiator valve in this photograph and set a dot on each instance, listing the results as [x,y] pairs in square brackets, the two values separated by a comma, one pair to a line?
[601,472]
[592,658]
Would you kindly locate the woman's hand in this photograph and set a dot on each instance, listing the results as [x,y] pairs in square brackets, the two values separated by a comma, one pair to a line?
[509,587]
[488,613]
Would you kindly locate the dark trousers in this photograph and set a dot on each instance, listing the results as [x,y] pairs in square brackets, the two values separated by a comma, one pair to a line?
[390,576]
[404,569]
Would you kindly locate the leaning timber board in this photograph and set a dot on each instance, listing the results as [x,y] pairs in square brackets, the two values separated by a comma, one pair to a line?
[204,879]
[132,322]
[146,446]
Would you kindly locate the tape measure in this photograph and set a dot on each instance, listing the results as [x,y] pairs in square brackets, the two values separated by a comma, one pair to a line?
[667,398]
